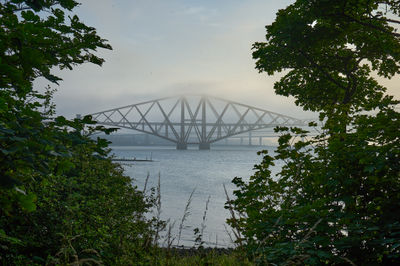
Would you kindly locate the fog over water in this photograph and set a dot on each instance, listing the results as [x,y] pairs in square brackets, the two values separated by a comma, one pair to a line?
[176,47]
[172,47]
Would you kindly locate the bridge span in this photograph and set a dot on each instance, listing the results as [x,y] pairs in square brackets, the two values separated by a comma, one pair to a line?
[197,120]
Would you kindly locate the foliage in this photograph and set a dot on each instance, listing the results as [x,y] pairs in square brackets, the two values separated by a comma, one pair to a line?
[36,36]
[62,200]
[335,199]
[207,256]
[86,203]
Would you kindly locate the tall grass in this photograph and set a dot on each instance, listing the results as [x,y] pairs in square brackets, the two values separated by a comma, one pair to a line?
[235,221]
[168,249]
[199,239]
[160,225]
[186,214]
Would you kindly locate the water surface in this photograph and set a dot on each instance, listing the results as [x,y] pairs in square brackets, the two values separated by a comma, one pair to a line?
[182,171]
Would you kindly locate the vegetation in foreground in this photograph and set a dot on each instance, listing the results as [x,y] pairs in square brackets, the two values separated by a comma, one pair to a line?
[335,201]
[204,257]
[62,199]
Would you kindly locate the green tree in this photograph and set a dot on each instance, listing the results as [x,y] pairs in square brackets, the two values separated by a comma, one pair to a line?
[62,200]
[36,36]
[335,198]
[86,210]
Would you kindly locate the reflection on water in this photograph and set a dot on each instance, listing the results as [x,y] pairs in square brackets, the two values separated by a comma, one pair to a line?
[184,170]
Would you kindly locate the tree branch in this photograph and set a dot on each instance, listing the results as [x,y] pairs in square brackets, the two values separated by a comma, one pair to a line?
[316,65]
[392,20]
[371,26]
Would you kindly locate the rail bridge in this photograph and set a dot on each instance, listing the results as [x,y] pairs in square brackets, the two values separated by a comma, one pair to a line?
[197,120]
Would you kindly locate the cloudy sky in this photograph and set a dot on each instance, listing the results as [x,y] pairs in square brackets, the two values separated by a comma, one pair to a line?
[173,47]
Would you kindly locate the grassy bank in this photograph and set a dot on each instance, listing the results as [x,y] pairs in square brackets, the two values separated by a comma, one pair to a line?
[201,256]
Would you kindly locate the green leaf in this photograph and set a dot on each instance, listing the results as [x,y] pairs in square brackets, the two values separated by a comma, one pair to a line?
[28,202]
[9,239]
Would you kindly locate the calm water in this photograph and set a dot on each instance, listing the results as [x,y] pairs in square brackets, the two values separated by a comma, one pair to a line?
[182,171]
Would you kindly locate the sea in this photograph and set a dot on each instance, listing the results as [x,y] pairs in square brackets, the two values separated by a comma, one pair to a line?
[183,171]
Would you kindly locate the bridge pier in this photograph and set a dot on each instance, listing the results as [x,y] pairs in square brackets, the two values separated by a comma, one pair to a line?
[181,146]
[204,146]
[250,138]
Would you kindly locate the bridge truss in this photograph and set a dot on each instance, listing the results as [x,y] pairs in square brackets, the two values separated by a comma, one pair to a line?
[193,120]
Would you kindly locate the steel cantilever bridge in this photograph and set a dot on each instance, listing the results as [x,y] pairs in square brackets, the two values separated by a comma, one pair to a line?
[193,119]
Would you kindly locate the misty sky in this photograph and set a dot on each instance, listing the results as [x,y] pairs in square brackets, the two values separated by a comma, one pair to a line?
[174,47]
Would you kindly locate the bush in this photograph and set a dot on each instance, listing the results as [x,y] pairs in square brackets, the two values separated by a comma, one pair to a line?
[62,200]
[335,200]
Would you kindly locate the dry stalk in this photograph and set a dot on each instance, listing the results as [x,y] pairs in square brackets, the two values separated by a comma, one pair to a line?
[229,234]
[169,239]
[146,182]
[301,257]
[307,236]
[265,238]
[203,223]
[349,261]
[235,227]
[158,211]
[186,214]
[68,251]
